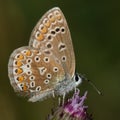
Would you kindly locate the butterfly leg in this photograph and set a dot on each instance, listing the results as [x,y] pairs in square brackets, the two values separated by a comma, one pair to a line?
[59,101]
[75,89]
[63,98]
[53,93]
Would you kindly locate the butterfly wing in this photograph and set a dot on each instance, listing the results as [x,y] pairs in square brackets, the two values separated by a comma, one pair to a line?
[52,36]
[33,73]
[35,70]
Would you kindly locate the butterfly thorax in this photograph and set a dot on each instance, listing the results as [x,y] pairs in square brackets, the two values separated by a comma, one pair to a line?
[68,84]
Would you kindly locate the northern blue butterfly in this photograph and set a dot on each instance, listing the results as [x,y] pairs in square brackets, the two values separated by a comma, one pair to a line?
[47,64]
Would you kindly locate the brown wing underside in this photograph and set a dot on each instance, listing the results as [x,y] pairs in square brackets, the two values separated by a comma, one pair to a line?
[52,29]
[30,71]
[50,39]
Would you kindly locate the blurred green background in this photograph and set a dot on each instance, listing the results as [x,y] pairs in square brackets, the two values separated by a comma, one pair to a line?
[95,30]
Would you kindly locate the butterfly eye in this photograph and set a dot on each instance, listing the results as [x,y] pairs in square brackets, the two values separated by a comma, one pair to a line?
[38,88]
[37,59]
[32,77]
[77,79]
[46,81]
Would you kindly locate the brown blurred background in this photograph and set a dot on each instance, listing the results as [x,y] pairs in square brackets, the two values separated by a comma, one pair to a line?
[95,30]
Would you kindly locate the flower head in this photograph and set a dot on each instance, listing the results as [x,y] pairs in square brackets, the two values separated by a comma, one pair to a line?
[73,109]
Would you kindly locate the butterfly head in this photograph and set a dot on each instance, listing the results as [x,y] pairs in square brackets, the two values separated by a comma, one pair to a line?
[78,78]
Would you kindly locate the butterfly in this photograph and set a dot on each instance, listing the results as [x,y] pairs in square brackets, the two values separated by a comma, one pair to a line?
[47,64]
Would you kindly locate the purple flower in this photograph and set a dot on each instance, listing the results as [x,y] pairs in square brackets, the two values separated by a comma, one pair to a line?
[73,109]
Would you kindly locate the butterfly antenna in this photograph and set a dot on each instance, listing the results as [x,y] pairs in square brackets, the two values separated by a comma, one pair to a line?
[91,83]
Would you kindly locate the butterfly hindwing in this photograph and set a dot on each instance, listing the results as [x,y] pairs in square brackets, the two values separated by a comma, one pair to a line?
[32,72]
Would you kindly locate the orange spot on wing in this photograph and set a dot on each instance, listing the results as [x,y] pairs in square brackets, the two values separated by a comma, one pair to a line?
[28,53]
[20,57]
[44,30]
[47,23]
[18,63]
[20,78]
[18,71]
[40,37]
[52,19]
[58,16]
[25,87]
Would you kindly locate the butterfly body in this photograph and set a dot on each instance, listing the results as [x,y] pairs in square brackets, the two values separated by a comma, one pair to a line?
[47,64]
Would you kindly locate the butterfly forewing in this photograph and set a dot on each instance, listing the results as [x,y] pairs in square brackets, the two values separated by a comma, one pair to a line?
[52,36]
